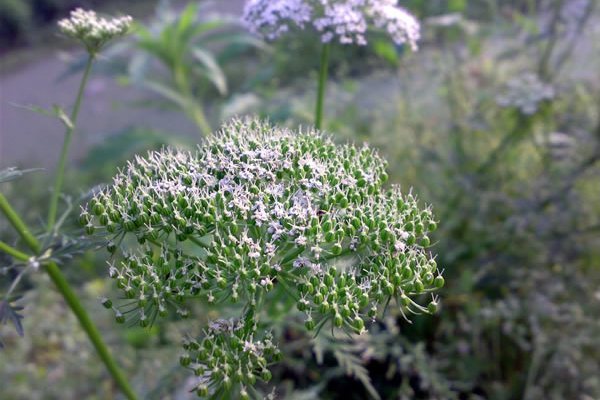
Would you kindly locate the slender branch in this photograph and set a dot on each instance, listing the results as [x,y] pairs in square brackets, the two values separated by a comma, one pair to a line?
[60,170]
[90,328]
[17,254]
[19,225]
[322,82]
[71,298]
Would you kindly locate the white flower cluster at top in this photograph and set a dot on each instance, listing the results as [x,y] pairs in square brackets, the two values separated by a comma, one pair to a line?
[344,20]
[525,93]
[259,212]
[92,30]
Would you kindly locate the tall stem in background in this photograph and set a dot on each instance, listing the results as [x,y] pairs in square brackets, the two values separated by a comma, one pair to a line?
[60,170]
[69,295]
[322,83]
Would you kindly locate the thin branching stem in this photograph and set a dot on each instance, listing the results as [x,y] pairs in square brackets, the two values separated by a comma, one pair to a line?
[60,170]
[71,298]
[17,254]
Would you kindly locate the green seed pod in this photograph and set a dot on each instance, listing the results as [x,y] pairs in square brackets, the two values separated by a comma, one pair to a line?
[106,303]
[309,324]
[266,375]
[338,321]
[428,278]
[418,286]
[439,282]
[432,307]
[185,360]
[336,249]
[119,317]
[358,323]
[202,390]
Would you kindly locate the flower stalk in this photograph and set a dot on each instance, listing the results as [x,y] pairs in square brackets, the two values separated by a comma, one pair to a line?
[68,294]
[60,170]
[322,83]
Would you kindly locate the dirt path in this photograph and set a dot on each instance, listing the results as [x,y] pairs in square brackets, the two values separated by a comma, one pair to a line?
[33,140]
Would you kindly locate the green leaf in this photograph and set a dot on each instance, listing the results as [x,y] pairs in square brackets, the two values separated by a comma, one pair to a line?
[10,313]
[212,70]
[56,112]
[167,92]
[62,116]
[386,50]
[352,365]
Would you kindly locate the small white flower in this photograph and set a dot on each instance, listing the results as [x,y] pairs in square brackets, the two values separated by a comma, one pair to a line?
[92,30]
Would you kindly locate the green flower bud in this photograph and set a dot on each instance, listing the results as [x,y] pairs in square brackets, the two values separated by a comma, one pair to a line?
[439,282]
[432,307]
[106,303]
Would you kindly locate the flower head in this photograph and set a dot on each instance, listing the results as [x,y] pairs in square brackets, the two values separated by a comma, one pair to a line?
[92,30]
[346,21]
[259,210]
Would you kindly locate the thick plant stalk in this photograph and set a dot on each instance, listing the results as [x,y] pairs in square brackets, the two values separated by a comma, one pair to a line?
[71,298]
[60,170]
[322,83]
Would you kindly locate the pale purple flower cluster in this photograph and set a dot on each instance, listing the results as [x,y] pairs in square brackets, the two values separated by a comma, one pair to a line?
[345,20]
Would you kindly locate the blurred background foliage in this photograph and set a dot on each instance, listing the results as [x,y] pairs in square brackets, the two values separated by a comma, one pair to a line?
[495,122]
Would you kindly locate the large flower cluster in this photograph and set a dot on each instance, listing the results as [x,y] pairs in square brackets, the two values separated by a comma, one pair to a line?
[258,210]
[344,20]
[92,30]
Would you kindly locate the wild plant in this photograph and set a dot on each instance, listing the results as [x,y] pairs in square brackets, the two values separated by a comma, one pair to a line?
[47,250]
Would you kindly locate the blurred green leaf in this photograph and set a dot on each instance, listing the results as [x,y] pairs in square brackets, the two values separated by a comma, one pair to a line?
[211,69]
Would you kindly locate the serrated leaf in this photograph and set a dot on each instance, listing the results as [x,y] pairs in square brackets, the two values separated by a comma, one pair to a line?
[10,313]
[352,365]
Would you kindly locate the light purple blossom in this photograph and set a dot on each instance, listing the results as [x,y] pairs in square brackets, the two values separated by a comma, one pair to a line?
[345,20]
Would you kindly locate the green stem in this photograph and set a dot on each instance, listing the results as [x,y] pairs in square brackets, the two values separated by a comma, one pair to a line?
[193,106]
[19,225]
[199,118]
[60,171]
[17,254]
[71,298]
[322,83]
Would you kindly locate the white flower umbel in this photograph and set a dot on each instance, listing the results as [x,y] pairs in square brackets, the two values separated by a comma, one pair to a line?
[259,212]
[525,92]
[92,30]
[346,21]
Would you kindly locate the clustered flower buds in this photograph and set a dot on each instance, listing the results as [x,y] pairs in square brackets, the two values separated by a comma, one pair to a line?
[525,92]
[346,20]
[93,31]
[229,355]
[256,210]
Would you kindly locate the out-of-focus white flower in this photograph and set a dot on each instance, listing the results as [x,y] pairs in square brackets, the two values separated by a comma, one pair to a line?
[346,21]
[92,30]
[525,92]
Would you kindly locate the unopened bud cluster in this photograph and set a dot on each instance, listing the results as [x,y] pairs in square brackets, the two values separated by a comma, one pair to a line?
[92,30]
[256,209]
[229,356]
